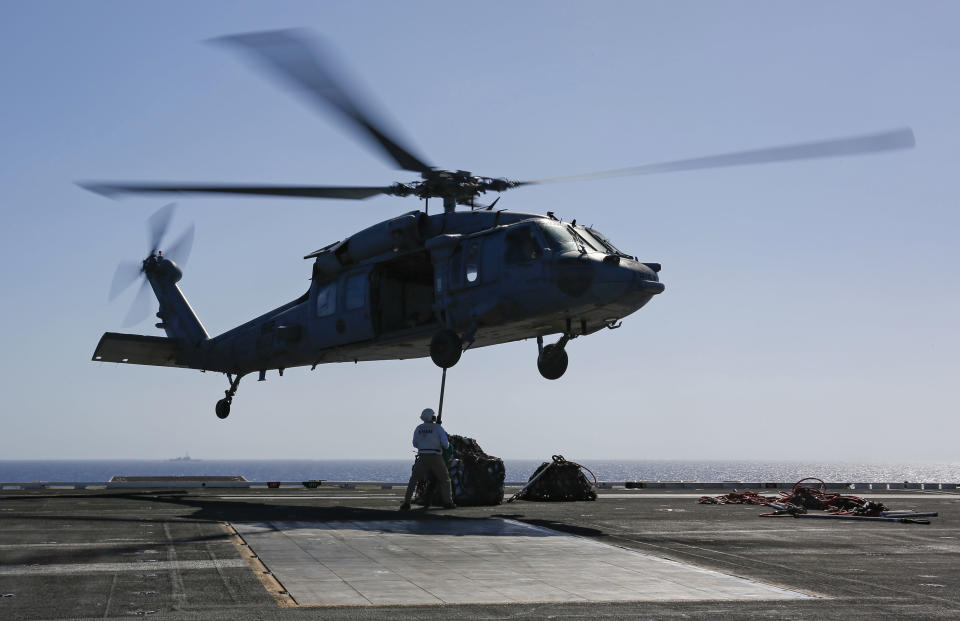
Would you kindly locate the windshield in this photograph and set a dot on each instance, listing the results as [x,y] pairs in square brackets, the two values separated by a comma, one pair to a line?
[565,237]
[591,241]
[559,237]
[596,235]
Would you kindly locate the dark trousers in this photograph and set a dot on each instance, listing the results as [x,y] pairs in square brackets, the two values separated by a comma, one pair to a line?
[426,467]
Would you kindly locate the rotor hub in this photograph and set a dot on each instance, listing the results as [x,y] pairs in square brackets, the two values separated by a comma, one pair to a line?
[460,186]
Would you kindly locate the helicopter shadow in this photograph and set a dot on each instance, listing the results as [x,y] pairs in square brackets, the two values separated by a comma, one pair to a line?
[295,515]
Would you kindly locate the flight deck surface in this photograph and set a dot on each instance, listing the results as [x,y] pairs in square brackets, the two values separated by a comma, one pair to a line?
[349,554]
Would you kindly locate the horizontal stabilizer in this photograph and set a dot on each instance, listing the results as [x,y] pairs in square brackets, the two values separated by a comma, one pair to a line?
[138,349]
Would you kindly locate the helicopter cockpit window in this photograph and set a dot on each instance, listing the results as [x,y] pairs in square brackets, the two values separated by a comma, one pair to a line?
[559,238]
[606,242]
[356,292]
[594,238]
[585,241]
[522,245]
[327,299]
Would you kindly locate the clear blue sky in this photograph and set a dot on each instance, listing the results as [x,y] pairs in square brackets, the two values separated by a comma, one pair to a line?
[811,308]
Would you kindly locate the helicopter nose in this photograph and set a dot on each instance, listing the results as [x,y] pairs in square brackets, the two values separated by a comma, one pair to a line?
[636,276]
[646,280]
[607,278]
[631,283]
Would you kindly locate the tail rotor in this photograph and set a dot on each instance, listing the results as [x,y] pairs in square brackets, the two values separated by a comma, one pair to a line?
[128,272]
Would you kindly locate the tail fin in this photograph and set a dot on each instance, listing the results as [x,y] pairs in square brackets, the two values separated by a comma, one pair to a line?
[176,315]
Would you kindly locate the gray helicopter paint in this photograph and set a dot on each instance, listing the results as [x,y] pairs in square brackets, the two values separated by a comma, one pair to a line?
[556,293]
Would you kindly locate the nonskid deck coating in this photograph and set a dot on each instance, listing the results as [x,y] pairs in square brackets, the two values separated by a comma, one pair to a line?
[165,553]
[605,496]
[394,562]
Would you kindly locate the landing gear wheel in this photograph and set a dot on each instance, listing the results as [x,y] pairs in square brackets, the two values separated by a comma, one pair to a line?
[223,405]
[446,348]
[552,362]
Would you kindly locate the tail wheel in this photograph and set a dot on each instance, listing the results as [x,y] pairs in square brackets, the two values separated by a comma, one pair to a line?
[446,347]
[552,362]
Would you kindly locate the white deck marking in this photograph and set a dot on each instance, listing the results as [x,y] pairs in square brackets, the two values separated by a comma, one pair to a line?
[474,561]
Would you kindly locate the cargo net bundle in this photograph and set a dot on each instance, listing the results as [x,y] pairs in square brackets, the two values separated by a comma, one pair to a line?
[475,478]
[558,480]
[801,499]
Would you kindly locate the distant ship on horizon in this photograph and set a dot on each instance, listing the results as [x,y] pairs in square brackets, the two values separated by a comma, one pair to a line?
[186,457]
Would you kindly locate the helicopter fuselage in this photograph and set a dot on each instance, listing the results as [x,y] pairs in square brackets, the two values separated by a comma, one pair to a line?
[382,294]
[494,277]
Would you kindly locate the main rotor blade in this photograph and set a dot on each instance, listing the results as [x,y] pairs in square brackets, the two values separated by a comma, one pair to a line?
[179,251]
[140,307]
[349,192]
[127,273]
[289,55]
[856,145]
[158,224]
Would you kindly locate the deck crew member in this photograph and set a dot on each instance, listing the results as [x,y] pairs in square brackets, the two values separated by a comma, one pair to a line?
[430,439]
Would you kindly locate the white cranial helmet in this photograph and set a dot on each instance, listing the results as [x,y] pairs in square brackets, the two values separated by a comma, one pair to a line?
[427,415]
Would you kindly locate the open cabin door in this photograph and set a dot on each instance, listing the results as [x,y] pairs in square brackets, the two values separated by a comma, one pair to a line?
[403,294]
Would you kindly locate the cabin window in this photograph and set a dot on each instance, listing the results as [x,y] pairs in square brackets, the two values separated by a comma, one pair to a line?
[471,262]
[356,294]
[326,299]
[523,245]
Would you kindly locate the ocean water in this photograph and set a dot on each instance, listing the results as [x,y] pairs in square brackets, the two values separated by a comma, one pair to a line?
[517,470]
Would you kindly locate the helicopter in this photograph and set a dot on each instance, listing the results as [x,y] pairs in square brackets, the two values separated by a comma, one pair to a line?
[418,284]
